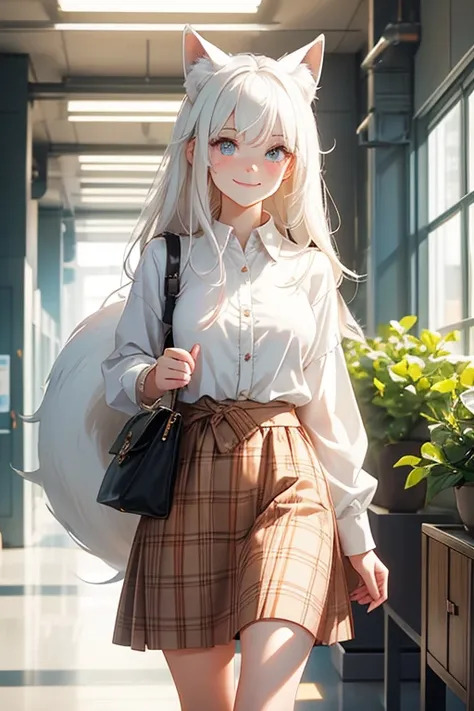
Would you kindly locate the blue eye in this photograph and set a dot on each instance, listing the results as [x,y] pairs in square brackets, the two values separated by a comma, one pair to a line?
[276,155]
[227,148]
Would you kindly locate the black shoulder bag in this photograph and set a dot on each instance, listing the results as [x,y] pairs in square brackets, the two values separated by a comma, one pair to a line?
[140,479]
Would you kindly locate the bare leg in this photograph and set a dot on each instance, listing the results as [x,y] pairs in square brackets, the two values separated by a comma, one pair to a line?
[274,655]
[204,678]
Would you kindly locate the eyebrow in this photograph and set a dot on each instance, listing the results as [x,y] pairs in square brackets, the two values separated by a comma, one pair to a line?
[229,128]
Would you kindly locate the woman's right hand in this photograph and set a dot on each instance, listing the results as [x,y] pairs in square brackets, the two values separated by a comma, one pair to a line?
[172,370]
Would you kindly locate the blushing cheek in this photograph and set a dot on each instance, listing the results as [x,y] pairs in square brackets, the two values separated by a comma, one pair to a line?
[219,162]
[275,169]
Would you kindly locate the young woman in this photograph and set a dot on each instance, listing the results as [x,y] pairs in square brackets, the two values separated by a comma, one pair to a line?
[269,512]
[268,525]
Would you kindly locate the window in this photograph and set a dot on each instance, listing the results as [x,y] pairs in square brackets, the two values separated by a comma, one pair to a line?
[446,169]
[110,254]
[445,284]
[444,157]
[471,141]
[100,273]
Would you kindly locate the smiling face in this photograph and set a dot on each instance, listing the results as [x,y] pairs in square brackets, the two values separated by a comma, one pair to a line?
[248,172]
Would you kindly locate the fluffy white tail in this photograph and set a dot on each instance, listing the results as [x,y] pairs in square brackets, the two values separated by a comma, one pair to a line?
[76,429]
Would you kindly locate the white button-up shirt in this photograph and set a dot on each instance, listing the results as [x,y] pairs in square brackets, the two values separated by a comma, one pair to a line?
[275,337]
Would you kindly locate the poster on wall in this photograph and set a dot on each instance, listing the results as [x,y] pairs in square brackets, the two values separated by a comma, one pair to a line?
[4,383]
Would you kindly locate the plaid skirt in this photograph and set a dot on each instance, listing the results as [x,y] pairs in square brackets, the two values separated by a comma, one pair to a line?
[251,535]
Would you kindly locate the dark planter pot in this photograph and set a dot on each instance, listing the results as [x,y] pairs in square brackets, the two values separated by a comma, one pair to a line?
[371,462]
[391,493]
[465,502]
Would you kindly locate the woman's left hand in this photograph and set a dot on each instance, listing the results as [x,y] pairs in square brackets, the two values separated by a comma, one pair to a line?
[373,588]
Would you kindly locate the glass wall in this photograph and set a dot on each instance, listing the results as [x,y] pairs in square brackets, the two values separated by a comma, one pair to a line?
[99,273]
[446,216]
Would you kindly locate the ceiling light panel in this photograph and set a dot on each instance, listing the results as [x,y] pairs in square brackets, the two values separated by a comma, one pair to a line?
[124,107]
[92,158]
[109,200]
[146,182]
[124,168]
[162,27]
[114,191]
[157,6]
[115,118]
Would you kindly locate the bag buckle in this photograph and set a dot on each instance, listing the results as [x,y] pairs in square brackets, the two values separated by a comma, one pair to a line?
[126,446]
[171,421]
[172,285]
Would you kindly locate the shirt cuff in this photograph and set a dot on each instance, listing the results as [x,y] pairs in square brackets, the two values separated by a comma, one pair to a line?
[129,379]
[355,534]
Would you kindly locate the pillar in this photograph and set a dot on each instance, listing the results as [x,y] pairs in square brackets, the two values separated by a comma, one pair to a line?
[18,250]
[50,261]
[383,238]
[388,145]
[69,314]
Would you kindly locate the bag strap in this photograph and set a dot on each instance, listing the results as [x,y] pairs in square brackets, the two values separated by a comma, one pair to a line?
[173,260]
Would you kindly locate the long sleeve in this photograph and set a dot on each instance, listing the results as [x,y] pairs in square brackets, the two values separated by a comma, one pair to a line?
[139,336]
[334,425]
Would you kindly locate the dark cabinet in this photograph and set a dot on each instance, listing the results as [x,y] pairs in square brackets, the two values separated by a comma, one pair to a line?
[447,636]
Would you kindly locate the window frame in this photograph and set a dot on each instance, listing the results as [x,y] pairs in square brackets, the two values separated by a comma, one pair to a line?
[460,92]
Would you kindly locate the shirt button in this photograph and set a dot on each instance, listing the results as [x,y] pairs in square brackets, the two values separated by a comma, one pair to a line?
[244,269]
[247,356]
[246,313]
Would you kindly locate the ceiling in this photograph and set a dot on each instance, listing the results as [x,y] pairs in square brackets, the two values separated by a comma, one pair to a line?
[76,63]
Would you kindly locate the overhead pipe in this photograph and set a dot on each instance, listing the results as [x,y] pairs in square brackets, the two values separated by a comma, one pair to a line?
[393,34]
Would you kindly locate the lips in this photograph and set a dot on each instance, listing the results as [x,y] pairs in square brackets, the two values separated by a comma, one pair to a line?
[246,185]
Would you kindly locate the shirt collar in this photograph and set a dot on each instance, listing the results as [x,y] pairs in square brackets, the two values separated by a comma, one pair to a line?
[270,237]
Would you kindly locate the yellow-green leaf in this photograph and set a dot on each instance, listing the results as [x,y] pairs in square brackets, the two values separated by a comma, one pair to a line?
[400,368]
[467,377]
[432,452]
[414,371]
[407,322]
[423,384]
[444,386]
[379,385]
[430,339]
[415,476]
[407,461]
[452,336]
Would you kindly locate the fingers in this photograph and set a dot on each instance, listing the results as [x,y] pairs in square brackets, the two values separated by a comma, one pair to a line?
[374,587]
[175,367]
[364,600]
[382,584]
[363,597]
[195,351]
[368,576]
[171,384]
[181,356]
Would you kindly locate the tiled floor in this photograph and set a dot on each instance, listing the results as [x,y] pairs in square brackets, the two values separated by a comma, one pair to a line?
[55,649]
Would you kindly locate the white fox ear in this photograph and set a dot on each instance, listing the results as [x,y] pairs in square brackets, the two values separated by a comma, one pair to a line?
[195,47]
[311,54]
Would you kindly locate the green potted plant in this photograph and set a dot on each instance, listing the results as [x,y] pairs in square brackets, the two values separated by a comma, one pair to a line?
[447,460]
[400,380]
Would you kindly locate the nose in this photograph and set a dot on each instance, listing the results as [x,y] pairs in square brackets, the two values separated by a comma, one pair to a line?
[252,168]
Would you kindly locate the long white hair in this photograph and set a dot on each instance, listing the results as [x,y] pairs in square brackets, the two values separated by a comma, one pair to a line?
[257,91]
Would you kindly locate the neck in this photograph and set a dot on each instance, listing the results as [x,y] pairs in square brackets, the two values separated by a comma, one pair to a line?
[243,220]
